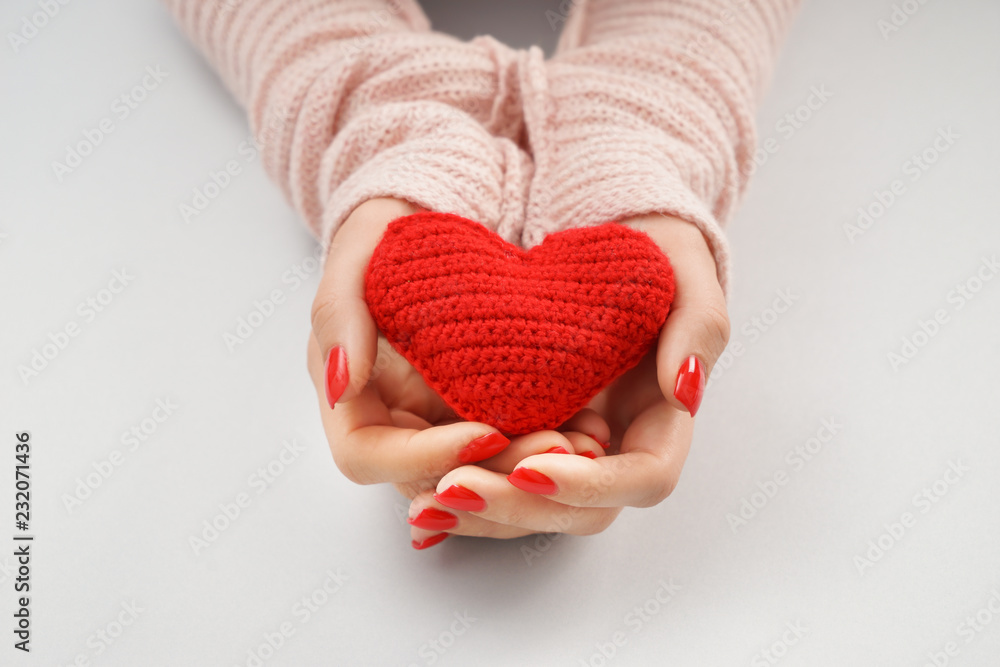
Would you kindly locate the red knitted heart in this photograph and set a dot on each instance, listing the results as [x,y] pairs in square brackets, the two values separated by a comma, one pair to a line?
[520,340]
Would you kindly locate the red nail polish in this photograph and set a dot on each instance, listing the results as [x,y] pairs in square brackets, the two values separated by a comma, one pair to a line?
[337,376]
[589,454]
[430,541]
[556,450]
[483,448]
[593,437]
[460,498]
[690,384]
[431,518]
[532,481]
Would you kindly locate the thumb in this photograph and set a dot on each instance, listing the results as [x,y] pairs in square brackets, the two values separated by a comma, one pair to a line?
[344,329]
[697,329]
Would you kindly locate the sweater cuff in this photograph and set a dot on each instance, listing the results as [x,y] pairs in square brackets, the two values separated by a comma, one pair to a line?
[619,144]
[431,155]
[601,183]
[650,109]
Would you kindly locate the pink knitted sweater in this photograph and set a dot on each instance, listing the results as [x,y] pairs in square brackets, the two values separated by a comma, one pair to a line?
[647,106]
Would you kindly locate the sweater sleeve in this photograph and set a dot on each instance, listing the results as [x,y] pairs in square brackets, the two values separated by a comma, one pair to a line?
[651,110]
[356,99]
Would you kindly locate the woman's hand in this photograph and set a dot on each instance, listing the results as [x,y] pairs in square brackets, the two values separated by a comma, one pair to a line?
[649,410]
[398,430]
[390,427]
[342,327]
[387,425]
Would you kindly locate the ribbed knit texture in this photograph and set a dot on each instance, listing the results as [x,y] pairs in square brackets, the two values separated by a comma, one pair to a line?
[646,108]
[520,340]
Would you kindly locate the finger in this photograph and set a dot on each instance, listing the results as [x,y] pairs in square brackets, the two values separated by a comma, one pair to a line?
[411,490]
[524,446]
[499,505]
[469,525]
[404,396]
[369,448]
[404,390]
[646,471]
[406,419]
[697,328]
[589,422]
[585,445]
[424,539]
[340,319]
[378,453]
[436,522]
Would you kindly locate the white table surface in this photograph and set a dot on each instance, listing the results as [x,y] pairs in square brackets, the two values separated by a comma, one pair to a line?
[732,588]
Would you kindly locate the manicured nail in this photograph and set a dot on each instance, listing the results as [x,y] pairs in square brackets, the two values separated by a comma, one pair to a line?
[690,384]
[431,518]
[460,498]
[337,376]
[556,450]
[589,454]
[430,541]
[483,448]
[532,481]
[598,440]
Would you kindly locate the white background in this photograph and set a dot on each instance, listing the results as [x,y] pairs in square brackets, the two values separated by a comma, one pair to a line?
[793,561]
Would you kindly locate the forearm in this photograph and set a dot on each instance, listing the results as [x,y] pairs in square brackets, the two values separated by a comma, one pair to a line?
[356,99]
[652,109]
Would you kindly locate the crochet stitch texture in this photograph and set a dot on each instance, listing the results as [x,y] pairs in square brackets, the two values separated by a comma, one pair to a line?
[520,340]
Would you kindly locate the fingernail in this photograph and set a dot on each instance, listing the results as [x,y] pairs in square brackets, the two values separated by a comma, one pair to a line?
[589,455]
[336,375]
[483,448]
[556,450]
[431,518]
[690,384]
[532,481]
[460,498]
[598,440]
[429,542]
